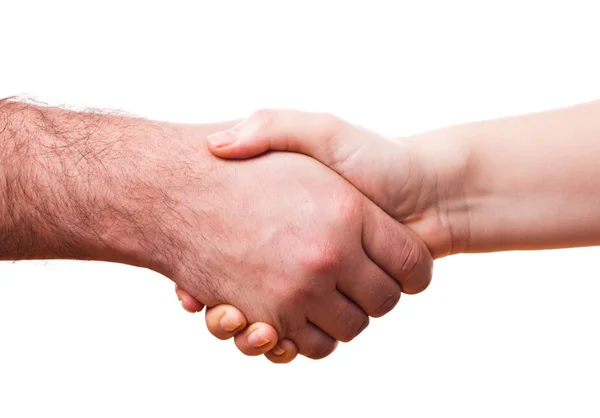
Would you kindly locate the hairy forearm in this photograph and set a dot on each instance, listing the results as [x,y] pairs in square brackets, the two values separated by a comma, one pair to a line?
[59,171]
[526,182]
[87,185]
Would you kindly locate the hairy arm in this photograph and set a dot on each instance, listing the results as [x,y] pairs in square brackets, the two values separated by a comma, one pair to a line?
[282,238]
[87,185]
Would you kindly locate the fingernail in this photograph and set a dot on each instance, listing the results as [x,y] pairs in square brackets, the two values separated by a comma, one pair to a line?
[229,323]
[278,350]
[257,339]
[221,139]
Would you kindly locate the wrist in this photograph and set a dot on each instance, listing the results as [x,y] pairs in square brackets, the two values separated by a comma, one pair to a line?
[442,216]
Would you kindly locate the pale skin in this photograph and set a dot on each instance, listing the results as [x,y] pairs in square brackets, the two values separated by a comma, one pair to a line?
[520,183]
[281,237]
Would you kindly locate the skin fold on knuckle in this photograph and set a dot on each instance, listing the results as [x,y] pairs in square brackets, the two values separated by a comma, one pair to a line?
[387,305]
[409,259]
[352,333]
[415,271]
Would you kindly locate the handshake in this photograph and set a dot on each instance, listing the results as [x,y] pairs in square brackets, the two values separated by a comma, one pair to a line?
[313,248]
[294,249]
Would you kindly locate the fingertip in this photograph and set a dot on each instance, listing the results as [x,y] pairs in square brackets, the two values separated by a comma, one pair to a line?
[227,144]
[188,302]
[284,352]
[225,321]
[257,339]
[222,139]
[249,138]
[191,305]
[239,150]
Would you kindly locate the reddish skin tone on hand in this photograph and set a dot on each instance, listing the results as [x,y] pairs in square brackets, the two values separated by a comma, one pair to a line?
[526,182]
[281,237]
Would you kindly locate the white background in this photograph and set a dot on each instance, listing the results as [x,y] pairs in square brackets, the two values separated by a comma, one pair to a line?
[511,334]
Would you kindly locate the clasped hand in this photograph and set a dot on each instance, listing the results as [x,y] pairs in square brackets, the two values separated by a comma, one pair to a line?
[325,248]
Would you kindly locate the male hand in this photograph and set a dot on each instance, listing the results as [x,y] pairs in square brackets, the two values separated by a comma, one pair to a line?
[281,237]
[413,184]
[291,244]
[412,179]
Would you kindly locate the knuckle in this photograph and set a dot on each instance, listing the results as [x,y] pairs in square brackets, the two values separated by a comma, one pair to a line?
[331,121]
[416,269]
[295,297]
[332,126]
[287,295]
[356,329]
[321,350]
[299,294]
[264,117]
[323,259]
[411,257]
[390,301]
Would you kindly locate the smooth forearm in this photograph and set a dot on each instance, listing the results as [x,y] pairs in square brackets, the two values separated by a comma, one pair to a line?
[526,182]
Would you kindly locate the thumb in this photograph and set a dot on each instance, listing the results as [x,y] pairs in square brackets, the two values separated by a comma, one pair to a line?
[372,163]
[313,134]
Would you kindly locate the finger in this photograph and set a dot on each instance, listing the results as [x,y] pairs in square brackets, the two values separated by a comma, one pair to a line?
[284,352]
[313,134]
[342,319]
[347,149]
[371,288]
[259,338]
[224,321]
[188,302]
[313,342]
[396,249]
